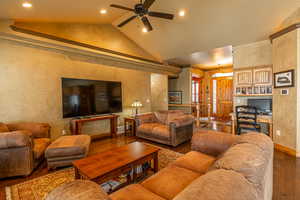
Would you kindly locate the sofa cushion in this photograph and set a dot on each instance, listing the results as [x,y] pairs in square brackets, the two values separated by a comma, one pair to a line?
[78,190]
[164,117]
[39,147]
[182,120]
[195,161]
[38,130]
[69,146]
[147,127]
[175,114]
[219,185]
[212,142]
[134,192]
[170,181]
[155,130]
[161,131]
[247,159]
[3,128]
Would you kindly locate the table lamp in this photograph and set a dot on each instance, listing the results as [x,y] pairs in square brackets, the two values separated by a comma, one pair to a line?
[137,104]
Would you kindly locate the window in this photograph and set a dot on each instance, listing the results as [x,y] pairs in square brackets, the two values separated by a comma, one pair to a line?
[218,75]
[195,90]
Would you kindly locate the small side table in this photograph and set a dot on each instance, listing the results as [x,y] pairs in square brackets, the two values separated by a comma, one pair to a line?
[129,126]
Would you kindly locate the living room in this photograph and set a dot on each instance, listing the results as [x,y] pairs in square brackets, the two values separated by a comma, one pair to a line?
[106,92]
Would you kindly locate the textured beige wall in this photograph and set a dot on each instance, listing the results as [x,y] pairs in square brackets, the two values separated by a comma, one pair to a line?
[30,82]
[285,119]
[251,55]
[101,35]
[183,83]
[159,92]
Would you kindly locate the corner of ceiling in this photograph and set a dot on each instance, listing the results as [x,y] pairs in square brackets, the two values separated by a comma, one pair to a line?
[124,17]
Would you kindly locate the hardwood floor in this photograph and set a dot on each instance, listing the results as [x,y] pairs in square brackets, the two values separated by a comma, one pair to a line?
[286,168]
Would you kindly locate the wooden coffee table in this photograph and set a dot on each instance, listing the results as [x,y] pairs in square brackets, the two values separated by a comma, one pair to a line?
[108,165]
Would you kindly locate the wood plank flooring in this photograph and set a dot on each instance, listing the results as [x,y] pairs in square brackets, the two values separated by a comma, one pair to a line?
[286,168]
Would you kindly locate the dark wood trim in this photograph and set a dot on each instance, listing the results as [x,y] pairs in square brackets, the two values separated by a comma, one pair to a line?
[73,42]
[284,31]
[286,150]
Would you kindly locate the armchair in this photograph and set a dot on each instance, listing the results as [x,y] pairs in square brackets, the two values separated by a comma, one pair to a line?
[166,127]
[22,147]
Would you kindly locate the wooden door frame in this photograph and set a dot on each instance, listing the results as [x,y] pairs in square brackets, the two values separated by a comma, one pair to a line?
[199,80]
[211,92]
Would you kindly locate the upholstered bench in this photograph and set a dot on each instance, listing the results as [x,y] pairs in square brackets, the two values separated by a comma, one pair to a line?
[66,149]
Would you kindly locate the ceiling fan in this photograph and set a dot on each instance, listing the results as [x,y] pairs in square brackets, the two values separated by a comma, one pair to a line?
[141,10]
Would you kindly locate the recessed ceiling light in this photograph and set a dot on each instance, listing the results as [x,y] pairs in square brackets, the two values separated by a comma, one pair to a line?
[145,30]
[103,11]
[181,13]
[27,5]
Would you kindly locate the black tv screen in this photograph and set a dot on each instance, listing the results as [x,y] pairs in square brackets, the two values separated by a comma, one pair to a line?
[89,97]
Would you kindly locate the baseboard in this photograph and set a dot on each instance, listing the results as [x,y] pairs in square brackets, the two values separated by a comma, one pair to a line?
[286,150]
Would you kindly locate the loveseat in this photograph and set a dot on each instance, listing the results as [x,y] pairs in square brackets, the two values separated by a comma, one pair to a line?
[166,127]
[219,167]
[22,147]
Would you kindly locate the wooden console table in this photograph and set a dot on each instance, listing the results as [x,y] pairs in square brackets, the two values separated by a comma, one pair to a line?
[76,124]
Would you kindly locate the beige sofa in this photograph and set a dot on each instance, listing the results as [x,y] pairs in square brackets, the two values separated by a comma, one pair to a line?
[166,127]
[22,147]
[220,167]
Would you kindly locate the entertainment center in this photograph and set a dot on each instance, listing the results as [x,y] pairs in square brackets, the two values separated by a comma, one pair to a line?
[91,100]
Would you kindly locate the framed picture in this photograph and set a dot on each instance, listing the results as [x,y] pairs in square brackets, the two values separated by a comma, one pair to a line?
[269,90]
[175,97]
[238,90]
[284,79]
[249,90]
[244,90]
[256,90]
[262,90]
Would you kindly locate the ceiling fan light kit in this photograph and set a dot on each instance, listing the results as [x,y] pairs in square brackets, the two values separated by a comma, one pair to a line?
[141,11]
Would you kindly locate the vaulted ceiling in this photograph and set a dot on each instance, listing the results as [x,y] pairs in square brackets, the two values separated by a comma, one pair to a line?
[209,24]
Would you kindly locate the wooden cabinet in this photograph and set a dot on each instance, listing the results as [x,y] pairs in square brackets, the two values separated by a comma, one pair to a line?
[243,78]
[262,76]
[253,81]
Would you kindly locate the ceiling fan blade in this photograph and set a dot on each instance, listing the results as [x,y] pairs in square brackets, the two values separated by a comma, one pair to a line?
[161,15]
[147,24]
[148,4]
[127,21]
[121,7]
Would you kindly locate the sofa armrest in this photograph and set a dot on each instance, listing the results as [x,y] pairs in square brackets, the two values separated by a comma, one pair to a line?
[38,130]
[212,142]
[145,118]
[15,139]
[182,121]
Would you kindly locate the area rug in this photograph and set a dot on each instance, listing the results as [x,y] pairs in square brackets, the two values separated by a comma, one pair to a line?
[38,188]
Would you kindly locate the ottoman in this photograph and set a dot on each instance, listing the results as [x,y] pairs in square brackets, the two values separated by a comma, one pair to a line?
[78,190]
[63,151]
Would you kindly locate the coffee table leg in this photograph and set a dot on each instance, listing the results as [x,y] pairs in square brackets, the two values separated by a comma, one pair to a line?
[155,160]
[77,174]
[129,181]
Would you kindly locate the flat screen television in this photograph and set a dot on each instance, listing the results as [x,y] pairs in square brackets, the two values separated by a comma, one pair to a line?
[90,97]
[264,106]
